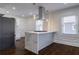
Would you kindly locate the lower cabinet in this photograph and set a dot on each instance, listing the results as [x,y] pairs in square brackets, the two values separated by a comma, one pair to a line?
[31,42]
[37,41]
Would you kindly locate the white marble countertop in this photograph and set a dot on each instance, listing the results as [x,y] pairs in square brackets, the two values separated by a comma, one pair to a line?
[39,32]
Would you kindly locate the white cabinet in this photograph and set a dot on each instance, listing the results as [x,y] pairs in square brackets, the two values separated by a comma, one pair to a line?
[31,42]
[45,40]
[35,41]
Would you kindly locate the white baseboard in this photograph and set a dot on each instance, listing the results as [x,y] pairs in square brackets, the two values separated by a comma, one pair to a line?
[71,43]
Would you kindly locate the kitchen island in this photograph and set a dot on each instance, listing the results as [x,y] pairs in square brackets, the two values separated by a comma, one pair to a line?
[35,40]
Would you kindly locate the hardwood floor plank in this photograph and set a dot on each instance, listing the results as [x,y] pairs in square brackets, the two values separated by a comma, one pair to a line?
[53,49]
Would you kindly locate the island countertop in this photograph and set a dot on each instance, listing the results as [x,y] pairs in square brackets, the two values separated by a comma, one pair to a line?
[37,32]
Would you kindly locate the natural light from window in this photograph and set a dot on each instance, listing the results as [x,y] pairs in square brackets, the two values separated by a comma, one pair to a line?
[69,25]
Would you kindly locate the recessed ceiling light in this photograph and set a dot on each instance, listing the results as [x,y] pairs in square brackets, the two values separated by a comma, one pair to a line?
[13,8]
[7,11]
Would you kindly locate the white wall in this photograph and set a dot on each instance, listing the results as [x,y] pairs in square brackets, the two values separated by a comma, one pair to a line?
[26,24]
[23,25]
[55,25]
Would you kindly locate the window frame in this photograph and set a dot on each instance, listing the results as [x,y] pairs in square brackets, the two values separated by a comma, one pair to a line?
[75,26]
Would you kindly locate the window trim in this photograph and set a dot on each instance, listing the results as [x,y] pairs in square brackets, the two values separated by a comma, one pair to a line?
[76,23]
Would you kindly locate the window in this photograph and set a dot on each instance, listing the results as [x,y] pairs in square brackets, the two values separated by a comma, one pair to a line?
[69,25]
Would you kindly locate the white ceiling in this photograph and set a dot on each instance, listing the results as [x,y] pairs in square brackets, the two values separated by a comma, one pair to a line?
[26,9]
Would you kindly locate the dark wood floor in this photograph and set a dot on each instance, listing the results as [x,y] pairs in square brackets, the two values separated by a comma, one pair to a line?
[53,49]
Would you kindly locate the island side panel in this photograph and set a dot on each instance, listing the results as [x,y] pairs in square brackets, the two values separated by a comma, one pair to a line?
[31,42]
[45,40]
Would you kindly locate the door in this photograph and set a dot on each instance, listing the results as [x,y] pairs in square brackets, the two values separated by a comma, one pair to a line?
[1,33]
[8,29]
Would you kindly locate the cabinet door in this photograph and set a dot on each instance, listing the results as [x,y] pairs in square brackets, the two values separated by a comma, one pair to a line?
[45,40]
[31,42]
[28,42]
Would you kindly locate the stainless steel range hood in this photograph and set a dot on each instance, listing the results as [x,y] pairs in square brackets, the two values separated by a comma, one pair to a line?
[41,12]
[40,20]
